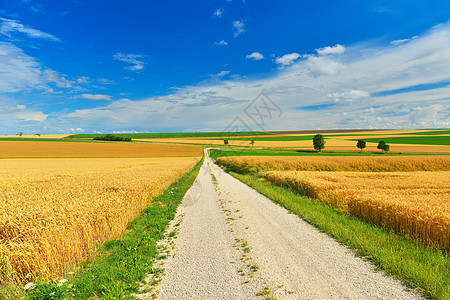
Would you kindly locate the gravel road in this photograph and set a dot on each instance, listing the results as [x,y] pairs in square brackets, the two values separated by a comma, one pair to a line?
[233,243]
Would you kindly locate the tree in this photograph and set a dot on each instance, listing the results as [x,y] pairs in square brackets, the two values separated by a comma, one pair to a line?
[20,133]
[361,144]
[252,141]
[383,146]
[225,142]
[318,142]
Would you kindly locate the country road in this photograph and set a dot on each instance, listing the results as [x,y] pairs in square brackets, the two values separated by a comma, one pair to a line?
[233,243]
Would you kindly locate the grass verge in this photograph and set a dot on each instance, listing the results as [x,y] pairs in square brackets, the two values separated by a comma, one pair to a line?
[121,265]
[422,268]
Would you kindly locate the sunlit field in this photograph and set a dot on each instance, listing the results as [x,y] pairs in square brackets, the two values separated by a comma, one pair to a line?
[55,212]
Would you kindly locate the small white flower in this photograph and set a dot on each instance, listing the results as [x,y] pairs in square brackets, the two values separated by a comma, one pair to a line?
[28,286]
[28,276]
[62,281]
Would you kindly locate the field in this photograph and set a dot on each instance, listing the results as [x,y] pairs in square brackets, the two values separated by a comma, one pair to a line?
[391,191]
[253,164]
[345,140]
[55,212]
[417,203]
[28,149]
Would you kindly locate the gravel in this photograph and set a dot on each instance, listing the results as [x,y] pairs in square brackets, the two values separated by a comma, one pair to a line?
[233,243]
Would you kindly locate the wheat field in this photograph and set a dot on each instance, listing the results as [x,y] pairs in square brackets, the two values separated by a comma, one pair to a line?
[31,149]
[53,212]
[416,203]
[253,164]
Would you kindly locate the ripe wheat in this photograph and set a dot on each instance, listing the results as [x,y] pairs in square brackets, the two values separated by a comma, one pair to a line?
[417,203]
[53,212]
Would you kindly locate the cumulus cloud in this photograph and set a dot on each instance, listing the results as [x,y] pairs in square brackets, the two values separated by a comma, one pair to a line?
[239,28]
[337,49]
[137,64]
[32,116]
[255,56]
[96,97]
[319,65]
[287,59]
[8,27]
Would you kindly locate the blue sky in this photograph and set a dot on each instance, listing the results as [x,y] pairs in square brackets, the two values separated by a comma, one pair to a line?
[195,65]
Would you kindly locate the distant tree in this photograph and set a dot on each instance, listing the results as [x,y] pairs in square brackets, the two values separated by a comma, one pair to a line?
[318,142]
[38,134]
[20,133]
[383,146]
[225,142]
[252,141]
[361,144]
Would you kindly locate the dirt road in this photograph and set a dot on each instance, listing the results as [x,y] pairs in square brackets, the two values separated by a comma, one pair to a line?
[233,243]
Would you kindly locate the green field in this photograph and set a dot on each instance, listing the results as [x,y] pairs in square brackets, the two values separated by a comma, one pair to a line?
[418,140]
[172,135]
[215,153]
[433,132]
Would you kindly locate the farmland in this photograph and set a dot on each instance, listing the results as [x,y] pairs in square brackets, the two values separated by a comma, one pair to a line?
[389,191]
[243,164]
[60,201]
[55,212]
[416,203]
[344,140]
[29,149]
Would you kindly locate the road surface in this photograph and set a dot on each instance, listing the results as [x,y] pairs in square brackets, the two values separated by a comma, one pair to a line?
[231,242]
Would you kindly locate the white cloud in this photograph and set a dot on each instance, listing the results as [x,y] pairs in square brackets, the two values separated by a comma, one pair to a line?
[137,64]
[105,81]
[32,116]
[8,109]
[83,80]
[58,79]
[18,71]
[96,97]
[287,59]
[8,26]
[218,13]
[348,96]
[239,28]
[255,56]
[401,41]
[319,65]
[221,43]
[337,49]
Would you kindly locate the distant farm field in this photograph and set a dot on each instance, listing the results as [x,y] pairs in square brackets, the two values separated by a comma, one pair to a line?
[55,212]
[32,149]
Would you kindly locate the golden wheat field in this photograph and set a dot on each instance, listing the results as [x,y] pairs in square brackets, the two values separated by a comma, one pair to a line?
[53,212]
[29,149]
[417,203]
[246,164]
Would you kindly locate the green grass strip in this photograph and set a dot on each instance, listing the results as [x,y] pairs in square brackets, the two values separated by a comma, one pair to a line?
[122,264]
[400,256]
[417,140]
